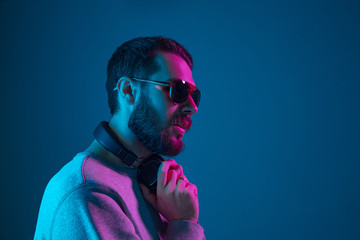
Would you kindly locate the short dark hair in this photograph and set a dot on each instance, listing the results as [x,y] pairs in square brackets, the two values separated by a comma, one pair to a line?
[134,58]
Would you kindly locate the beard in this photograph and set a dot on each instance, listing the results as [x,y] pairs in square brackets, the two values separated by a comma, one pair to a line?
[146,124]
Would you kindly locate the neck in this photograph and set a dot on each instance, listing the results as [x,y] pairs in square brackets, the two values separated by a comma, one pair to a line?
[126,137]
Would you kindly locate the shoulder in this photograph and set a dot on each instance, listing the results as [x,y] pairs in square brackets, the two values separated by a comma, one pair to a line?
[97,170]
[88,196]
[91,210]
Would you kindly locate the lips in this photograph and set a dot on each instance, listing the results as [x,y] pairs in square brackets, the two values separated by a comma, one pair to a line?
[179,131]
[183,122]
[180,125]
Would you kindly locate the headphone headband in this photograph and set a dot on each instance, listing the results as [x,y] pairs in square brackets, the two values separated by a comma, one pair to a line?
[107,138]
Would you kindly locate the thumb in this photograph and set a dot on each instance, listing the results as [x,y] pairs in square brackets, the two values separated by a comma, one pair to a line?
[148,196]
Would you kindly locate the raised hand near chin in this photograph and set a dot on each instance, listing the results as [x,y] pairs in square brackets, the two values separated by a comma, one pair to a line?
[176,198]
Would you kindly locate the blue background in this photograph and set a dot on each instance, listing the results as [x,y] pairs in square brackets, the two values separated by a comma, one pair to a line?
[275,146]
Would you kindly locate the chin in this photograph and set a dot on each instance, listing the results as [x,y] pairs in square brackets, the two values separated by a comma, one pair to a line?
[171,146]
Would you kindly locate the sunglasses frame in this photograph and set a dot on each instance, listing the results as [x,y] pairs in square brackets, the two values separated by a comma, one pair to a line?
[170,84]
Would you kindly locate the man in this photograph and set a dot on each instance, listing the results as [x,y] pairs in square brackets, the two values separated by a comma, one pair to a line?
[151,94]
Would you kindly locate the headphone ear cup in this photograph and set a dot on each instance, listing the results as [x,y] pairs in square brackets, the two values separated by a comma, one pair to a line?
[155,157]
[148,172]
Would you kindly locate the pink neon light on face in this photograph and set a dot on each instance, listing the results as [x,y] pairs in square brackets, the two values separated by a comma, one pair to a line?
[175,118]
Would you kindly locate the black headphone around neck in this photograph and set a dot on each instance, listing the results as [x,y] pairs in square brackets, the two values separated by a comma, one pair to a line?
[147,170]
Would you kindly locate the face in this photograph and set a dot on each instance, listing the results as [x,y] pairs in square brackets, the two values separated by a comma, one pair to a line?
[156,121]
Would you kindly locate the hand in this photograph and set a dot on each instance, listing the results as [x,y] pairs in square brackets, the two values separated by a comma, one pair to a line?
[176,198]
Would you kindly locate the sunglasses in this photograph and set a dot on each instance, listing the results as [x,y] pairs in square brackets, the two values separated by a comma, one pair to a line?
[180,90]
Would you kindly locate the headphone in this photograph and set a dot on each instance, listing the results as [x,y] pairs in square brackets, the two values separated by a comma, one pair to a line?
[147,171]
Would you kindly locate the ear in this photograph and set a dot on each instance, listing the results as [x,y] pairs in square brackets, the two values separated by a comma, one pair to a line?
[126,89]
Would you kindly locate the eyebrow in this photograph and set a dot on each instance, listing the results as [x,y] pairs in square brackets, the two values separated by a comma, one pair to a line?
[179,79]
[162,82]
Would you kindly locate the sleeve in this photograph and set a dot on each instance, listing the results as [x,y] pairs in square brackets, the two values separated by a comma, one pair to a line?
[91,214]
[184,230]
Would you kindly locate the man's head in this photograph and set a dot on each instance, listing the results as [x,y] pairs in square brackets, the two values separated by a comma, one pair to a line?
[155,120]
[135,58]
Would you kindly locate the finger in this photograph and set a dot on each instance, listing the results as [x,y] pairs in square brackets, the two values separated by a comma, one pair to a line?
[172,180]
[183,177]
[163,172]
[148,196]
[170,175]
[180,186]
[192,189]
[195,191]
[179,170]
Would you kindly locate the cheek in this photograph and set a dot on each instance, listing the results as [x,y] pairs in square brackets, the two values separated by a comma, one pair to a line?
[170,109]
[167,111]
[170,112]
[163,106]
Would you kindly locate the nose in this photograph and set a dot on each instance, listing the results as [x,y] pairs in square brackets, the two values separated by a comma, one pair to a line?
[189,107]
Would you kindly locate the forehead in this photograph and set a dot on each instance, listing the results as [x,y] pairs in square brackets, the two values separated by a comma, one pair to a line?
[172,67]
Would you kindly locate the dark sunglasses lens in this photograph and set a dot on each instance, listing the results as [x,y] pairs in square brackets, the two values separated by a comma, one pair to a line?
[196,97]
[180,91]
